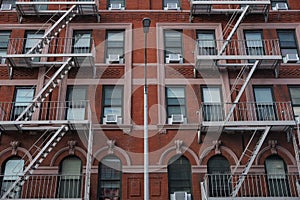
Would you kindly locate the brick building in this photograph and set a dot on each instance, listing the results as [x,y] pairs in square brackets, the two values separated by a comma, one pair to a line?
[224,99]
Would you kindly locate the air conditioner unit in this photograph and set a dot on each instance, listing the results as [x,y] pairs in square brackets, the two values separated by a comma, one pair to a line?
[180,196]
[115,6]
[113,58]
[174,58]
[281,6]
[111,119]
[291,58]
[2,60]
[172,6]
[176,119]
[5,7]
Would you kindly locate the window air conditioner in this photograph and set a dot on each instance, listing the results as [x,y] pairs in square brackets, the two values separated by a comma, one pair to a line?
[111,119]
[291,58]
[174,58]
[180,196]
[5,6]
[113,58]
[177,119]
[2,60]
[172,6]
[281,6]
[115,6]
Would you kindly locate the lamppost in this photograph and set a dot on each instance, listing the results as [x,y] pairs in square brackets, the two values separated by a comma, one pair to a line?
[146,25]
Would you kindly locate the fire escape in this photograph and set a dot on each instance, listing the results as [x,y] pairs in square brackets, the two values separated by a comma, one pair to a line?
[56,54]
[232,115]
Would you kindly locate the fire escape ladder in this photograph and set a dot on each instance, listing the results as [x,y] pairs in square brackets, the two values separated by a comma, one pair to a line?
[46,90]
[36,161]
[245,83]
[54,30]
[234,29]
[296,146]
[250,160]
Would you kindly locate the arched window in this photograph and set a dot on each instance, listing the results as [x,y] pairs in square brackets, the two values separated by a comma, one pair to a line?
[276,177]
[110,174]
[179,175]
[69,185]
[219,176]
[12,168]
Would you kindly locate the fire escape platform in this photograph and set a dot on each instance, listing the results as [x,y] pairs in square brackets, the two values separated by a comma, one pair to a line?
[221,6]
[27,8]
[27,60]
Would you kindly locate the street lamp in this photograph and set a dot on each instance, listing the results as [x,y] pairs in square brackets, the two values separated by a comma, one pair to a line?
[146,25]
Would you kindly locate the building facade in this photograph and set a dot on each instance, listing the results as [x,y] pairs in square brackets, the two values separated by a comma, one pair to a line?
[223,89]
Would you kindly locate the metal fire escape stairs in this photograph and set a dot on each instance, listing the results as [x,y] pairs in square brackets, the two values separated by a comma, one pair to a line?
[296,143]
[251,154]
[58,132]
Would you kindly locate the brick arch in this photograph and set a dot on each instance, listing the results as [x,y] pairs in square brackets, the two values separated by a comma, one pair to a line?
[21,152]
[118,152]
[171,152]
[225,151]
[285,154]
[64,152]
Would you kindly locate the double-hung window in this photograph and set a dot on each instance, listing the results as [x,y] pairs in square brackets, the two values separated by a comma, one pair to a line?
[288,45]
[110,173]
[115,47]
[112,104]
[176,104]
[13,168]
[76,103]
[173,46]
[69,185]
[171,4]
[23,97]
[254,43]
[206,42]
[4,39]
[116,4]
[295,97]
[212,107]
[265,108]
[82,42]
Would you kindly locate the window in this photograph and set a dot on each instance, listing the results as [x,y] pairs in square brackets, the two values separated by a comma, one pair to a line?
[41,6]
[4,39]
[287,41]
[32,38]
[8,4]
[295,98]
[219,177]
[179,175]
[81,42]
[175,103]
[110,173]
[13,168]
[279,5]
[206,42]
[171,4]
[76,103]
[116,4]
[23,97]
[254,43]
[276,177]
[115,47]
[173,46]
[212,106]
[112,104]
[69,185]
[265,107]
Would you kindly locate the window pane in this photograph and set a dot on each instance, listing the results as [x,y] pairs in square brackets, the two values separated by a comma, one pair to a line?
[13,169]
[32,39]
[211,95]
[263,95]
[295,95]
[115,43]
[287,39]
[253,39]
[206,39]
[175,92]
[4,38]
[173,42]
[82,42]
